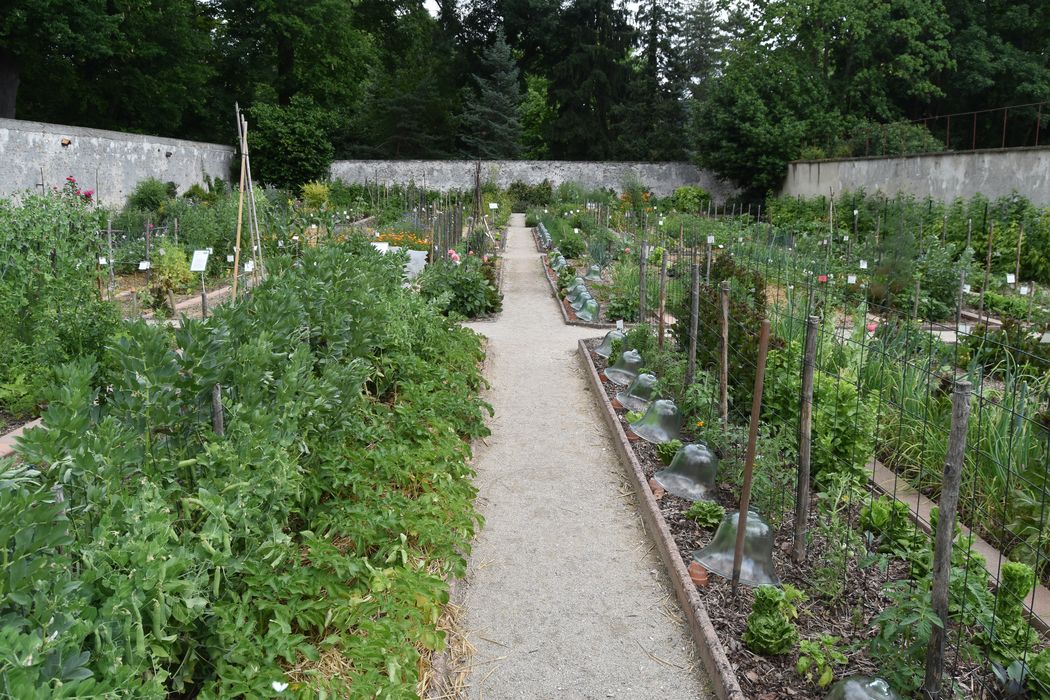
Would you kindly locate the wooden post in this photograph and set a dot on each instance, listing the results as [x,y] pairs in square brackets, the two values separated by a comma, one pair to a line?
[240,221]
[694,321]
[217,419]
[707,277]
[723,364]
[1017,266]
[643,259]
[1031,300]
[987,271]
[109,245]
[204,298]
[749,459]
[661,329]
[805,428]
[915,305]
[942,551]
[149,231]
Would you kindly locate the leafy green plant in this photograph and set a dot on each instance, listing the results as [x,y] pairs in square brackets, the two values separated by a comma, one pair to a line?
[1007,635]
[460,289]
[890,522]
[770,626]
[817,660]
[706,514]
[633,416]
[667,450]
[150,195]
[291,144]
[171,273]
[904,629]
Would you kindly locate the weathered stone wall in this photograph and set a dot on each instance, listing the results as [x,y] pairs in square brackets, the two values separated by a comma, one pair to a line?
[109,162]
[943,176]
[661,178]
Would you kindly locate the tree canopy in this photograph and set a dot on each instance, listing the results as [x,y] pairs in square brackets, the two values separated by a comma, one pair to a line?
[739,87]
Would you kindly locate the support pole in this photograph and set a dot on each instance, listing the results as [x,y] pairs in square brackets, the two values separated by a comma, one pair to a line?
[723,364]
[643,259]
[663,301]
[694,320]
[942,552]
[749,459]
[809,357]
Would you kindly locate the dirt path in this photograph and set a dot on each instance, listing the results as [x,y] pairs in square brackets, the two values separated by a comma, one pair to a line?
[564,597]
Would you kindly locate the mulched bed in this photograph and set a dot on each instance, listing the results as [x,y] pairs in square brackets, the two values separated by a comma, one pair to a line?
[9,422]
[596,291]
[849,617]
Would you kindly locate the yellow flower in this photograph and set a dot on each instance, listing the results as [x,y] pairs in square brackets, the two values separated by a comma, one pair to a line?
[699,424]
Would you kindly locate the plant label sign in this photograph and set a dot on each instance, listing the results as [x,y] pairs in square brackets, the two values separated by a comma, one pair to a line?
[851,279]
[966,289]
[280,244]
[845,238]
[199,263]
[710,240]
[864,264]
[249,266]
[619,325]
[1023,291]
[102,261]
[1010,279]
[1045,338]
[144,265]
[229,258]
[493,205]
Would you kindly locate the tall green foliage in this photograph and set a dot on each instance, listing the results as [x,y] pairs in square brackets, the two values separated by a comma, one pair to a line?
[490,125]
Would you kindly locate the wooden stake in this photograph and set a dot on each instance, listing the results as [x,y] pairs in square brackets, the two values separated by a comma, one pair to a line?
[240,221]
[723,365]
[694,321]
[109,245]
[987,272]
[942,552]
[663,301]
[1017,266]
[749,459]
[642,265]
[809,357]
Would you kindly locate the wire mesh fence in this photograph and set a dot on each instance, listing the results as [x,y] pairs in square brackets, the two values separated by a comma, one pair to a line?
[886,388]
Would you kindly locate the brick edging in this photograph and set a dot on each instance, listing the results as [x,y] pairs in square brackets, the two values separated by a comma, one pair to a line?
[564,314]
[712,653]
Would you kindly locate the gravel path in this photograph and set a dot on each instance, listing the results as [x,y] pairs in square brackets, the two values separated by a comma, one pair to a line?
[564,597]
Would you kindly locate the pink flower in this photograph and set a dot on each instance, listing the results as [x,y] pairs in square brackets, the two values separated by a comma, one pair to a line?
[88,194]
[71,179]
[822,278]
[627,250]
[871,327]
[470,252]
[484,258]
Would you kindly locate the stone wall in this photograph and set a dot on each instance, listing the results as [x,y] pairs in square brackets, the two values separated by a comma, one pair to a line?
[109,162]
[662,178]
[942,176]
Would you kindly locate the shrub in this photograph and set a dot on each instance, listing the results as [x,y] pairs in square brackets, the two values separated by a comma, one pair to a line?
[315,195]
[291,145]
[690,198]
[150,195]
[170,272]
[461,290]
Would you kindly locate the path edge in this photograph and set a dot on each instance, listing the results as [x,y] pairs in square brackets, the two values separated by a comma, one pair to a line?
[712,653]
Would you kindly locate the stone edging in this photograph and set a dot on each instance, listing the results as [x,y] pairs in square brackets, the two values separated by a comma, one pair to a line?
[712,653]
[7,441]
[561,304]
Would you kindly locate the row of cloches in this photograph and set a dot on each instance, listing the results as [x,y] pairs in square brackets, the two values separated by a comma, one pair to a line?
[691,475]
[578,296]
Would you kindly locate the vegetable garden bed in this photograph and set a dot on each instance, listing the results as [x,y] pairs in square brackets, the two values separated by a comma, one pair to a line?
[864,581]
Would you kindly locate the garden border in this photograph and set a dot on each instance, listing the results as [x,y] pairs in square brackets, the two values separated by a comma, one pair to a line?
[719,669]
[7,440]
[561,303]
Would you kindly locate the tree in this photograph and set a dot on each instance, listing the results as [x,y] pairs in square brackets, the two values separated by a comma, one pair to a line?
[536,116]
[290,144]
[41,32]
[701,46]
[154,74]
[490,125]
[588,75]
[650,118]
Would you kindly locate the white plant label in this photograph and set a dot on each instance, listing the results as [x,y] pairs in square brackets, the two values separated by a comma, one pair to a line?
[845,238]
[1045,338]
[144,265]
[851,279]
[864,264]
[295,237]
[576,230]
[280,244]
[199,263]
[1010,279]
[103,261]
[710,240]
[1023,291]
[966,289]
[249,266]
[619,325]
[229,258]
[493,205]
